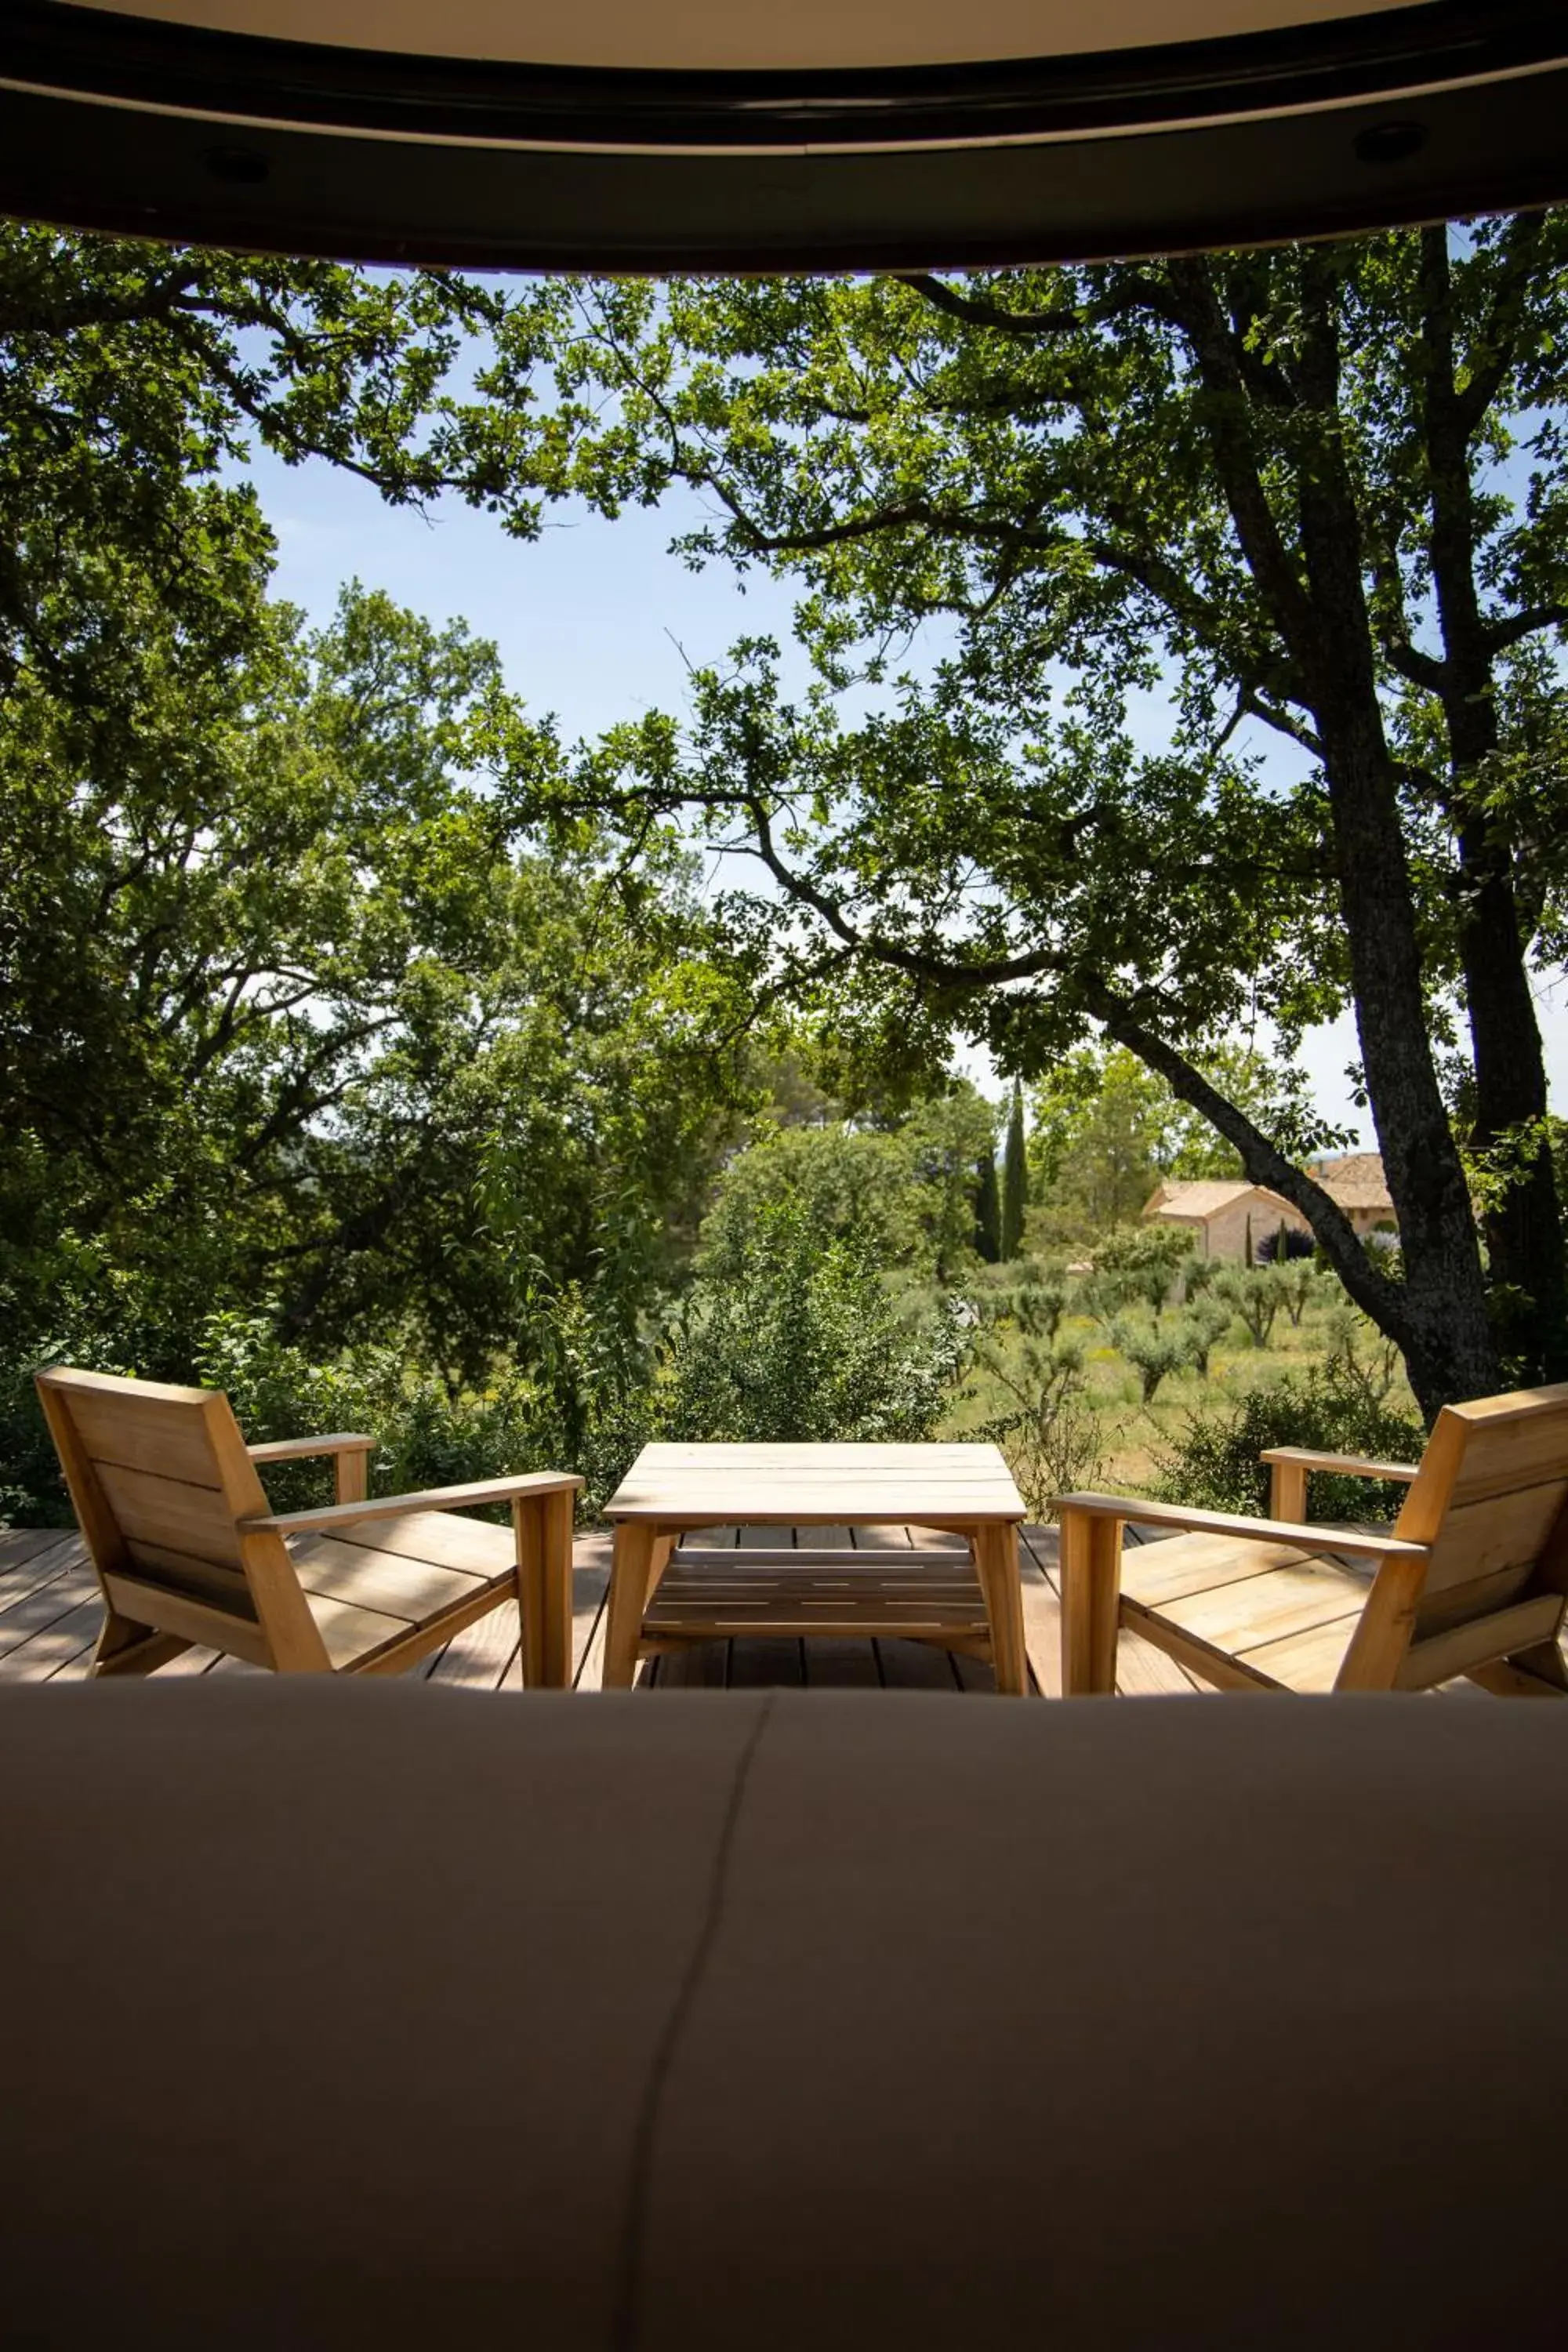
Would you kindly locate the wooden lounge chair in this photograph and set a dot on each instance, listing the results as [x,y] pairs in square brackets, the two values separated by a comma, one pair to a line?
[1471,1581]
[174,1520]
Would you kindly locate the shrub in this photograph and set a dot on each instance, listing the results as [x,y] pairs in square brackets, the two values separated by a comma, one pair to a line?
[1206,1321]
[1138,1266]
[800,1341]
[1285,1243]
[427,1435]
[1298,1281]
[32,1492]
[1037,1307]
[1334,1406]
[1051,1436]
[1198,1276]
[1153,1354]
[1253,1293]
[102,1318]
[1133,1249]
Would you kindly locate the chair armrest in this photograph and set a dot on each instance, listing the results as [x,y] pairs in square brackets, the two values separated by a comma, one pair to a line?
[1227,1523]
[351,1459]
[1348,1465]
[332,1515]
[299,1449]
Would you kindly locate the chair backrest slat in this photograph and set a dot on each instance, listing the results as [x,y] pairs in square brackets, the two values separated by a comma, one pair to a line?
[1442,1656]
[1492,1500]
[170,1512]
[1511,1442]
[144,1425]
[1480,1540]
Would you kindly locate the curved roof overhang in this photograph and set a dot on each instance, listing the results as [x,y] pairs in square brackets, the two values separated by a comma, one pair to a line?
[833,133]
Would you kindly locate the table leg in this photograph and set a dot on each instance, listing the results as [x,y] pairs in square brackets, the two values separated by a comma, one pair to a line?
[997,1563]
[663,1553]
[631,1573]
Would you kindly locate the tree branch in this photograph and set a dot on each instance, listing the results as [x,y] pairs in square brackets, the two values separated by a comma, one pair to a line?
[1214,348]
[1416,668]
[1497,636]
[973,313]
[1494,351]
[1264,1163]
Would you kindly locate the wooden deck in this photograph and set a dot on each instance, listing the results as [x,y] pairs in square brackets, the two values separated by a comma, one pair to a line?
[51,1613]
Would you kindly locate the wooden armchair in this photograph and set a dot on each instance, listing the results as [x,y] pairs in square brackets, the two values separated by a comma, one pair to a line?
[174,1516]
[1472,1580]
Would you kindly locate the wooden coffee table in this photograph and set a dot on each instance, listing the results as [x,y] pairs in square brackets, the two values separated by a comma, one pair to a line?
[662,1598]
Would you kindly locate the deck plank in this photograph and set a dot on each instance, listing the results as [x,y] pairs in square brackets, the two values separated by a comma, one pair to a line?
[842,1665]
[65,1549]
[916,1666]
[50,1612]
[592,1555]
[197,1661]
[68,1637]
[705,1665]
[31,1556]
[1042,1608]
[874,1536]
[764,1662]
[32,1616]
[478,1657]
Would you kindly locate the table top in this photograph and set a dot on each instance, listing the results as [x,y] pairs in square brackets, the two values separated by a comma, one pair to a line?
[816,1485]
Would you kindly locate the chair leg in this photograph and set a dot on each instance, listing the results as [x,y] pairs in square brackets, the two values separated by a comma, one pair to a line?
[1536,1673]
[1545,1661]
[127,1647]
[997,1564]
[1288,1492]
[542,1529]
[1092,1603]
[631,1573]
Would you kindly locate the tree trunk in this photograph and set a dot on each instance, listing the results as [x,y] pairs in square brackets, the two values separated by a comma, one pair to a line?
[1410,1314]
[1315,595]
[1524,1229]
[1450,1351]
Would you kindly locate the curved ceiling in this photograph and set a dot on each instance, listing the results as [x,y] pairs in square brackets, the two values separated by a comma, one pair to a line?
[831,133]
[710,37]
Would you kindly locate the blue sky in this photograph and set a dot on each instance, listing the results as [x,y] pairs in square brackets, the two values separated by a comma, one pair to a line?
[589,617]
[595,621]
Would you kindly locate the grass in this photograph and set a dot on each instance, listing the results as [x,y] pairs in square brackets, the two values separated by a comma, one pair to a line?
[1134,1436]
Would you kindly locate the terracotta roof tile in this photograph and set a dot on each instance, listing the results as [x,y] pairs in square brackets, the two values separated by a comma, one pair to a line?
[1198,1196]
[1356,1180]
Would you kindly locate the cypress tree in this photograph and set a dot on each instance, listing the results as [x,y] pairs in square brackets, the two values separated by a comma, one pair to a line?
[1015,1179]
[988,1211]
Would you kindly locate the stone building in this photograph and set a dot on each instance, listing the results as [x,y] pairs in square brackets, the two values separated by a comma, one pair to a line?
[1222,1214]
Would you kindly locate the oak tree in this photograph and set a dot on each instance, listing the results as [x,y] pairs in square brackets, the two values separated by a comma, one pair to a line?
[1316,493]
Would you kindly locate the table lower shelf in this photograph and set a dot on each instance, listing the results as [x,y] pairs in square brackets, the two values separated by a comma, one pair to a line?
[932,1598]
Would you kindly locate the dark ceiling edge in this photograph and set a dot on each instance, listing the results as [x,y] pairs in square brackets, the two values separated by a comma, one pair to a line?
[141,62]
[1243,176]
[299,193]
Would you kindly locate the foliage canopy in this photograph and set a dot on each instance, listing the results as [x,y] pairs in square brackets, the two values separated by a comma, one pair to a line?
[1319,486]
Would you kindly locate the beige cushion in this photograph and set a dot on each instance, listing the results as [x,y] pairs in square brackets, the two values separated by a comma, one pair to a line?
[343,2013]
